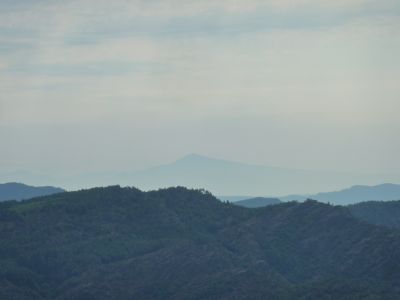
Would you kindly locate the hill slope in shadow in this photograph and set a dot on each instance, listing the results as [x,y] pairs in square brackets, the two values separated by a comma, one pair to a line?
[122,243]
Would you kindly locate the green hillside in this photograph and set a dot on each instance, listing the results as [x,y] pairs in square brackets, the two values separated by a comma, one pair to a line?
[121,243]
[386,213]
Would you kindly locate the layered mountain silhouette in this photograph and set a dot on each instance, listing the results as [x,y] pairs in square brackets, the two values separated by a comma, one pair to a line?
[354,194]
[221,177]
[257,202]
[224,177]
[122,243]
[19,191]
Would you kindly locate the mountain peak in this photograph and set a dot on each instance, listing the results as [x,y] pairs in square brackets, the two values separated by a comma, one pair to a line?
[193,157]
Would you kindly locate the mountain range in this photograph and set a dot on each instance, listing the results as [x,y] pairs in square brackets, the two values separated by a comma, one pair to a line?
[257,202]
[224,177]
[354,194]
[221,177]
[122,243]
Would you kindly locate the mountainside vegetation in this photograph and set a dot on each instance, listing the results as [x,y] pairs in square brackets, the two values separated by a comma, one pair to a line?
[175,243]
[386,213]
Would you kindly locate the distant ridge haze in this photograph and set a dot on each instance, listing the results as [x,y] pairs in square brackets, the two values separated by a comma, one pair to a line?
[257,202]
[20,191]
[220,177]
[351,195]
[354,194]
[223,177]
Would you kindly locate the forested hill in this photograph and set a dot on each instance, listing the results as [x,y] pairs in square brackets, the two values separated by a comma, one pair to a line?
[121,243]
[385,213]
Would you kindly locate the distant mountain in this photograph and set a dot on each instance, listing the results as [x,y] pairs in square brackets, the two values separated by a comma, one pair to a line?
[233,198]
[122,243]
[221,177]
[224,177]
[257,202]
[19,191]
[354,194]
[378,212]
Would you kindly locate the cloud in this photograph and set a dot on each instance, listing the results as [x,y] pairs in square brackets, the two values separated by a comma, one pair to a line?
[151,71]
[99,19]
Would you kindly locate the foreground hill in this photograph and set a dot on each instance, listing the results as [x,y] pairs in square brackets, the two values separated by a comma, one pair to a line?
[121,243]
[19,191]
[257,202]
[378,212]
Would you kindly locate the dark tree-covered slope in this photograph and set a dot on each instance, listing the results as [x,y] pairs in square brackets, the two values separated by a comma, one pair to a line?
[121,243]
[19,191]
[385,213]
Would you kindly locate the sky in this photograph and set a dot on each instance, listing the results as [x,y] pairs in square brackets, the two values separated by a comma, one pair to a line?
[93,85]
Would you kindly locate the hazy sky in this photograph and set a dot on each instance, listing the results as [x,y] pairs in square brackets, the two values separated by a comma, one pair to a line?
[121,85]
